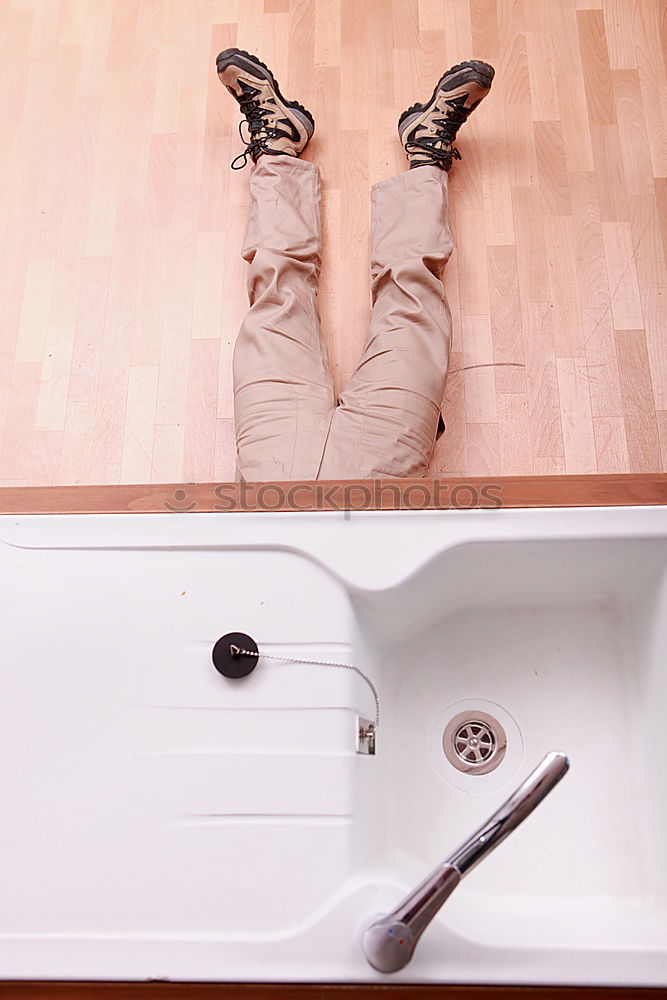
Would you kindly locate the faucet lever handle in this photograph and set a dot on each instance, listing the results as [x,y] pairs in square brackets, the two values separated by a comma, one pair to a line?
[390,940]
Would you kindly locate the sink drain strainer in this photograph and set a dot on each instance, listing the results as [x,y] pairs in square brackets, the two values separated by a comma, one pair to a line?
[474,742]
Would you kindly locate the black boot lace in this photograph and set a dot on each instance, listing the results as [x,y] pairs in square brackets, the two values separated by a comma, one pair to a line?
[260,133]
[439,149]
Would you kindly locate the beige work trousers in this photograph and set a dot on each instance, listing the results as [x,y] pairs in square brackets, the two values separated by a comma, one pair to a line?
[288,423]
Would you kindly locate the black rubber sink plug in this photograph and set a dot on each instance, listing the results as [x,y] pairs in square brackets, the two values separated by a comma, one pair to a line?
[228,659]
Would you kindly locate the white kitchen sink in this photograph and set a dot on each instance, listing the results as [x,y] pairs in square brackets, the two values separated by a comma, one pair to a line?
[161,821]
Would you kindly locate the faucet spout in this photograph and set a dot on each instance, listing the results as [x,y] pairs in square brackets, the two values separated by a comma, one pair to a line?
[390,941]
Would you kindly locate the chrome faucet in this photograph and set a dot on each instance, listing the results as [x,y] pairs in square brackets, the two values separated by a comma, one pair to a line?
[389,941]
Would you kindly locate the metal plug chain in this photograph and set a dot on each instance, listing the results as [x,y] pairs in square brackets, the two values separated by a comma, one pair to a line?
[238,651]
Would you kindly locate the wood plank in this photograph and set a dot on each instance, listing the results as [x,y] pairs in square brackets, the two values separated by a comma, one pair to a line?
[552,168]
[641,429]
[509,353]
[544,405]
[577,418]
[595,61]
[626,303]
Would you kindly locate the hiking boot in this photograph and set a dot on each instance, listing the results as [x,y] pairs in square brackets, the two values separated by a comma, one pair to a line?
[428,131]
[275,126]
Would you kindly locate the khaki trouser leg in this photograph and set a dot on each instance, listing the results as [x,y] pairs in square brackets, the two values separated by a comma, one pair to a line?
[386,421]
[283,391]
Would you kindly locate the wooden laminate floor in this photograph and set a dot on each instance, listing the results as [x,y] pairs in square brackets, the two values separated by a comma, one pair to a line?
[121,284]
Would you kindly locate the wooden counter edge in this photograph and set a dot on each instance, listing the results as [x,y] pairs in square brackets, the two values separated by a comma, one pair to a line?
[50,990]
[471,492]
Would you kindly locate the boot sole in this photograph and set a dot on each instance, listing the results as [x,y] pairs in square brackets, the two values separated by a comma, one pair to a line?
[250,63]
[472,71]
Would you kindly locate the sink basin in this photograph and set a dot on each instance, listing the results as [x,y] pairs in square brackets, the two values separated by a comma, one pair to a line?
[564,644]
[165,822]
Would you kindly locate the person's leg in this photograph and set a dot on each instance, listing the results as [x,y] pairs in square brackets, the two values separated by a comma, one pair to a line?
[283,391]
[387,418]
[386,421]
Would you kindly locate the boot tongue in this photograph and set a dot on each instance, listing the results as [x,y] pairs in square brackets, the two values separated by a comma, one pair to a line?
[438,143]
[434,150]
